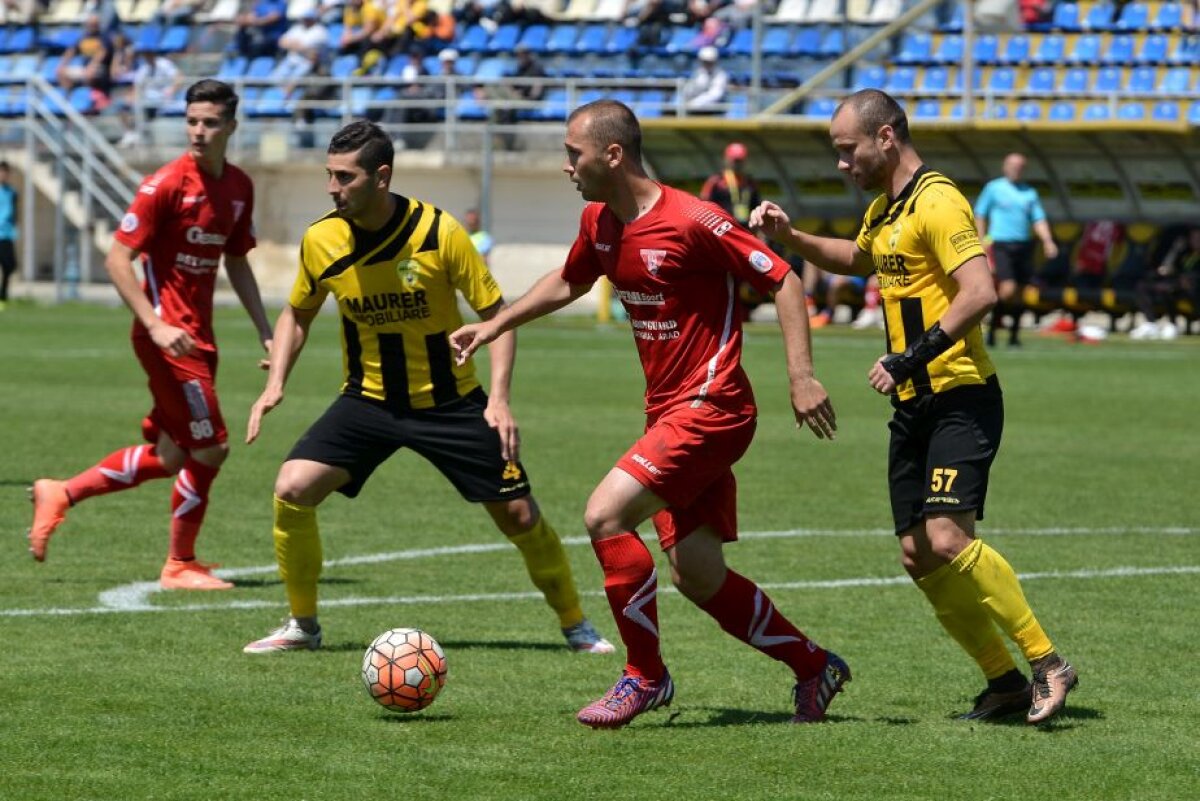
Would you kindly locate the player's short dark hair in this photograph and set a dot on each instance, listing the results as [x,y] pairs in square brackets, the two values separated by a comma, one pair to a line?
[372,143]
[216,92]
[4,165]
[876,109]
[613,123]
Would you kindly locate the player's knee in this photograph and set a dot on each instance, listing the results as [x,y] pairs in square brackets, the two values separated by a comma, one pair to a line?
[292,485]
[212,456]
[601,522]
[514,517]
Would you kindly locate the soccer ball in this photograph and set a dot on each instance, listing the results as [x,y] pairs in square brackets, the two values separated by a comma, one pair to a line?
[404,669]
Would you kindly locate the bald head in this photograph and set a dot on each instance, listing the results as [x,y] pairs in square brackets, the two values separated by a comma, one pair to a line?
[609,122]
[873,110]
[1014,167]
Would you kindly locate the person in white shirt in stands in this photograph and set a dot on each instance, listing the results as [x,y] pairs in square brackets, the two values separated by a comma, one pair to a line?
[704,92]
[155,80]
[303,43]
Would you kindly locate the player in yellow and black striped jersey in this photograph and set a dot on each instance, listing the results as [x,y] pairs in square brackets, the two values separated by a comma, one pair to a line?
[919,238]
[396,267]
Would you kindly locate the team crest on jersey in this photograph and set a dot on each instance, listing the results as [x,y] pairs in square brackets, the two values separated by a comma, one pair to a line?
[653,259]
[761,261]
[894,240]
[407,270]
[129,223]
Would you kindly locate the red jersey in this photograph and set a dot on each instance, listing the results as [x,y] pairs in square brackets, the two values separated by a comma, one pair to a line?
[675,270]
[182,220]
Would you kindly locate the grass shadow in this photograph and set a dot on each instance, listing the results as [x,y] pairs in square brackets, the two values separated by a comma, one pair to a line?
[725,716]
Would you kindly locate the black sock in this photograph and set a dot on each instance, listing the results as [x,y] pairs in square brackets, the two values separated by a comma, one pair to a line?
[1011,681]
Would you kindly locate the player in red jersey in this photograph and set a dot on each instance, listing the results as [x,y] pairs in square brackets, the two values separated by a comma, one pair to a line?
[183,219]
[674,260]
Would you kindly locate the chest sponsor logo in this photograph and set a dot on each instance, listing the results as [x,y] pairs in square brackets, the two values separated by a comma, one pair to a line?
[387,307]
[641,298]
[198,236]
[130,223]
[653,259]
[761,262]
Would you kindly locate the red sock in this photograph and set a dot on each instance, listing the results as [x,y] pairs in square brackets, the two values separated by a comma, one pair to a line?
[871,297]
[120,470]
[631,584]
[189,502]
[747,613]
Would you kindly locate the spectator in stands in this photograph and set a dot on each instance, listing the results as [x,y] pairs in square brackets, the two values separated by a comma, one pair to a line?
[403,24]
[304,45]
[110,20]
[1008,213]
[431,92]
[178,12]
[738,14]
[89,63]
[651,18]
[8,232]
[1176,278]
[480,238]
[1035,12]
[527,87]
[704,92]
[154,80]
[259,29]
[360,20]
[517,12]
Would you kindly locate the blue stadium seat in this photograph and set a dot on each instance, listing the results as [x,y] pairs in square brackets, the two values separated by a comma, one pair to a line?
[777,41]
[343,66]
[1097,112]
[1194,113]
[1051,50]
[1120,50]
[679,40]
[1041,80]
[833,43]
[1099,17]
[1142,80]
[936,79]
[535,38]
[492,69]
[260,67]
[742,43]
[470,109]
[59,39]
[915,48]
[949,50]
[1028,111]
[622,41]
[553,107]
[562,39]
[1176,81]
[1154,49]
[1065,17]
[473,40]
[927,110]
[986,48]
[1075,80]
[869,77]
[1002,79]
[1016,49]
[1187,52]
[1086,50]
[232,68]
[19,40]
[954,22]
[591,40]
[175,40]
[808,41]
[80,99]
[650,104]
[823,107]
[1109,79]
[901,80]
[1170,17]
[49,68]
[504,39]
[1062,111]
[274,102]
[1134,17]
[1131,111]
[148,38]
[739,107]
[24,65]
[1165,111]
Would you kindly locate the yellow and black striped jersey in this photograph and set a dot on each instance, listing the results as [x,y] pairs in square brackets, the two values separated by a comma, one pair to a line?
[916,242]
[396,293]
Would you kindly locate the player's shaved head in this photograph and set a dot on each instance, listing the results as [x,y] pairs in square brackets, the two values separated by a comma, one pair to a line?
[875,109]
[373,145]
[610,122]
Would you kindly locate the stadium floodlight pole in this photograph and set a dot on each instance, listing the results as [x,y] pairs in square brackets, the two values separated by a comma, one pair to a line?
[848,58]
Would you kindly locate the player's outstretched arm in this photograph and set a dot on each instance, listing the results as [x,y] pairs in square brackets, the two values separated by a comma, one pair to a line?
[840,256]
[245,285]
[810,401]
[119,264]
[549,294]
[291,332]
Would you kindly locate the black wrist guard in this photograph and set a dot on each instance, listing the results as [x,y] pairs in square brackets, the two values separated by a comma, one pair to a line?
[930,345]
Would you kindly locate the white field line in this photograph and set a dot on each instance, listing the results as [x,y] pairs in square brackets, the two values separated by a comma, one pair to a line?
[135,597]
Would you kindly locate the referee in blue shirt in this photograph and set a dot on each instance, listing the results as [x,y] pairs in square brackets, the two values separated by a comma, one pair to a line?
[1008,213]
[8,232]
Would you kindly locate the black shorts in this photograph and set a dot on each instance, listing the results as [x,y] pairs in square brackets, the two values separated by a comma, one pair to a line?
[359,434]
[1013,261]
[941,452]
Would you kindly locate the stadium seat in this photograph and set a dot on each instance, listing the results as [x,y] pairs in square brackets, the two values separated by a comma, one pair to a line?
[504,39]
[1194,113]
[1120,50]
[1099,17]
[1169,18]
[175,40]
[1065,17]
[49,68]
[1109,79]
[608,10]
[650,103]
[535,38]
[1028,111]
[1001,80]
[954,22]
[739,107]
[1062,111]
[1134,17]
[1165,111]
[622,41]
[823,107]
[260,67]
[833,43]
[927,110]
[1131,111]
[1097,112]
[986,48]
[1176,81]
[915,48]
[56,40]
[19,40]
[1154,49]
[1015,49]
[949,50]
[591,40]
[1041,80]
[232,68]
[824,11]
[777,41]
[344,66]
[81,99]
[473,40]
[562,39]
[936,79]
[23,65]
[1187,52]
[553,107]
[492,69]
[869,77]
[808,41]
[1052,49]
[1086,50]
[901,80]
[1075,81]
[469,108]
[1142,80]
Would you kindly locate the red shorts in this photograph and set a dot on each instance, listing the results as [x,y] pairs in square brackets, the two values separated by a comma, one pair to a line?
[686,458]
[185,397]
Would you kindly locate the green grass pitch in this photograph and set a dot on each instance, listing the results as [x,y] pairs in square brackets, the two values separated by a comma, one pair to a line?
[148,696]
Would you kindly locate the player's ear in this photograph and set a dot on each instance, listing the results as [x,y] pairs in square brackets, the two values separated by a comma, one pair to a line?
[384,175]
[615,154]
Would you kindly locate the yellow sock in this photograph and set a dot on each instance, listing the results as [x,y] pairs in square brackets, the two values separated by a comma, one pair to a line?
[298,553]
[550,571]
[1000,593]
[957,606]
